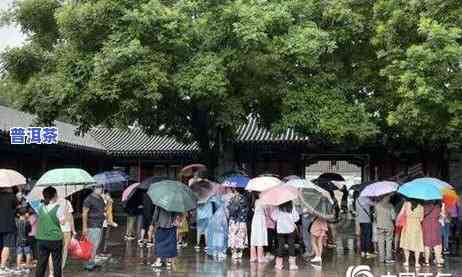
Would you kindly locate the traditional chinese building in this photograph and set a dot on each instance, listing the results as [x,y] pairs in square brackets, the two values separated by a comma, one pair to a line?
[255,149]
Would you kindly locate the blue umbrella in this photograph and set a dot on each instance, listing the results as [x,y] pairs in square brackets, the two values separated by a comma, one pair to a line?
[112,180]
[428,181]
[236,181]
[422,190]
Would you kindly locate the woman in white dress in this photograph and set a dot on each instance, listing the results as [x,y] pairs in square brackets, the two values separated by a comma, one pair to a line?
[258,235]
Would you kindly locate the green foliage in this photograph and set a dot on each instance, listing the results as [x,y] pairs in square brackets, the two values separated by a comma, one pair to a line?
[340,70]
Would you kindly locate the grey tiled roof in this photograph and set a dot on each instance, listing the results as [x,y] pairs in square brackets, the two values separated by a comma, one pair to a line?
[13,118]
[252,132]
[132,142]
[136,142]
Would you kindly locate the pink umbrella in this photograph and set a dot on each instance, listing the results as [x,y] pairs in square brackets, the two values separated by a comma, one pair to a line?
[193,168]
[11,178]
[279,195]
[129,191]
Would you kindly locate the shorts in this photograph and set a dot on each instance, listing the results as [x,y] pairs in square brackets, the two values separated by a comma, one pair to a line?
[7,240]
[23,250]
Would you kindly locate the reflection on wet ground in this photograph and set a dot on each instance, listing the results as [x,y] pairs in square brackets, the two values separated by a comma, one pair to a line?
[128,259]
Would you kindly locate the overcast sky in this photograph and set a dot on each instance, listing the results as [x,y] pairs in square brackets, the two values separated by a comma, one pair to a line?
[10,35]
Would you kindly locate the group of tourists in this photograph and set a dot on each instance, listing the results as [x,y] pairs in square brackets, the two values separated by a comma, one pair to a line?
[234,219]
[39,232]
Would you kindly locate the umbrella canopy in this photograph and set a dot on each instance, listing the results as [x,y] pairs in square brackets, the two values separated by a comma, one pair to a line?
[236,181]
[66,181]
[112,180]
[317,203]
[129,191]
[279,195]
[433,182]
[450,197]
[193,168]
[360,187]
[379,189]
[262,183]
[203,190]
[330,176]
[290,178]
[151,180]
[420,190]
[11,178]
[325,184]
[226,175]
[172,196]
[300,183]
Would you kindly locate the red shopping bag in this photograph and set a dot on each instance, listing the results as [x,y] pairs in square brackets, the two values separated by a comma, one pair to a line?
[83,250]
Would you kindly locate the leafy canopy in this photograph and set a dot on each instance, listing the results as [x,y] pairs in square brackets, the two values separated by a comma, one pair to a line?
[341,70]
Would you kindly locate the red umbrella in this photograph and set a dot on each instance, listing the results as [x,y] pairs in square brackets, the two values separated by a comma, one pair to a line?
[191,169]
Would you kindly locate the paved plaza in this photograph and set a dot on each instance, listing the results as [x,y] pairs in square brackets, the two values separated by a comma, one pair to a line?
[128,259]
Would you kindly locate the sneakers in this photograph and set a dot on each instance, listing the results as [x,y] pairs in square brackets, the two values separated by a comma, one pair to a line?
[149,244]
[370,255]
[316,260]
[157,264]
[292,263]
[5,271]
[390,261]
[16,271]
[127,237]
[269,257]
[197,248]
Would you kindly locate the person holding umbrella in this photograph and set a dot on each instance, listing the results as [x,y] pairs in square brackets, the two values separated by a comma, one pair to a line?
[385,218]
[432,234]
[9,179]
[171,199]
[93,216]
[411,233]
[166,224]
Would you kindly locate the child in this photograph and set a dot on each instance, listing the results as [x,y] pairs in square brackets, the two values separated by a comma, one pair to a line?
[285,216]
[238,210]
[23,247]
[385,218]
[182,231]
[258,235]
[318,232]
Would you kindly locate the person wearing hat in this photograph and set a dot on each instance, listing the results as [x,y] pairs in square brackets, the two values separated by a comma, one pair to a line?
[93,216]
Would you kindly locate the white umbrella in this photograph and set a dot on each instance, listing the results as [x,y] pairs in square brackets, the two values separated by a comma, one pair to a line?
[262,183]
[11,178]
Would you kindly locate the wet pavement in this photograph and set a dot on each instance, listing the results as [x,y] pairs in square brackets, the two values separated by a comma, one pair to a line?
[128,259]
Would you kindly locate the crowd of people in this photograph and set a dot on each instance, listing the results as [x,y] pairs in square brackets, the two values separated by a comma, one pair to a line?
[233,222]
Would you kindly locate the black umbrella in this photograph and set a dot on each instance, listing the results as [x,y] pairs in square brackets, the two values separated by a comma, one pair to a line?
[330,176]
[325,184]
[151,180]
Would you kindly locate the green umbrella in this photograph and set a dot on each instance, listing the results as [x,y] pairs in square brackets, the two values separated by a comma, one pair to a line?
[66,181]
[172,196]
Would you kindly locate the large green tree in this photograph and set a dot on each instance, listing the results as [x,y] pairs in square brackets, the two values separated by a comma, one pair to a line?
[338,70]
